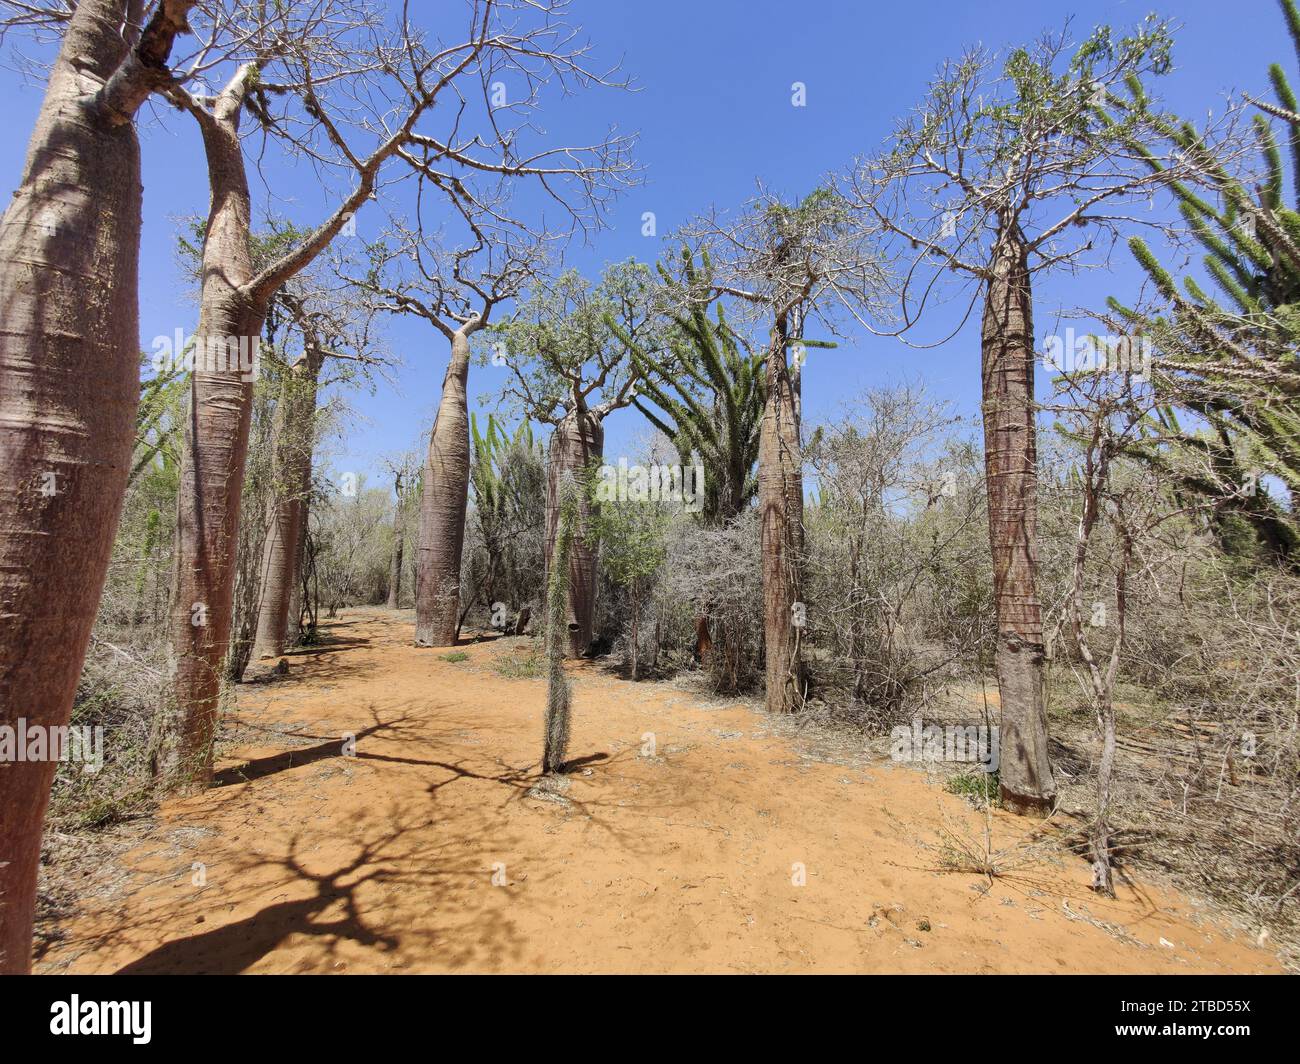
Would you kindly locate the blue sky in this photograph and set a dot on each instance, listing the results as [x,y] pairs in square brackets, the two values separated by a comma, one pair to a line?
[714,114]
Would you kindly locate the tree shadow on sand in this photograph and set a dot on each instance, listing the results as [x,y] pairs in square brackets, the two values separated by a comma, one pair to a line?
[237,946]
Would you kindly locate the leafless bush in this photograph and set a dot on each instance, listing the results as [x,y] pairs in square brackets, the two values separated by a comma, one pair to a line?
[1206,778]
[353,535]
[1213,773]
[714,572]
[122,682]
[898,592]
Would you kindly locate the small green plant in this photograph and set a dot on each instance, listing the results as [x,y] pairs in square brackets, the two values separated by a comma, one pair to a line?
[456,656]
[982,786]
[519,667]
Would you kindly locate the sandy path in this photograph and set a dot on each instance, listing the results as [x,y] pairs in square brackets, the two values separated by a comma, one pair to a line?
[682,862]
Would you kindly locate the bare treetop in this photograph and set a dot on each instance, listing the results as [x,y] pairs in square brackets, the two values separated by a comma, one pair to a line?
[454,280]
[345,88]
[1049,142]
[812,259]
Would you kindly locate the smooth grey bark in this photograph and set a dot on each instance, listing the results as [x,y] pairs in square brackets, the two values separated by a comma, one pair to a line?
[444,499]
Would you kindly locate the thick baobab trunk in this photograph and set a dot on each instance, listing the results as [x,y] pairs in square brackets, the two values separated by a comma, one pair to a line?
[212,467]
[780,503]
[293,435]
[444,496]
[1011,471]
[577,442]
[69,386]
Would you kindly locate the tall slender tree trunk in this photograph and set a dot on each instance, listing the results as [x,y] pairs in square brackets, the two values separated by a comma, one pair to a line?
[395,562]
[577,442]
[212,467]
[1011,471]
[293,437]
[444,496]
[780,502]
[233,306]
[636,635]
[299,574]
[568,495]
[69,386]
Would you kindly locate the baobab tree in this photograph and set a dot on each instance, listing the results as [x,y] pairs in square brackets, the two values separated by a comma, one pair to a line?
[1011,168]
[332,328]
[790,265]
[69,384]
[327,62]
[456,290]
[565,347]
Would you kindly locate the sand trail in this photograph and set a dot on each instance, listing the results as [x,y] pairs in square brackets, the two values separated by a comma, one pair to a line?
[677,845]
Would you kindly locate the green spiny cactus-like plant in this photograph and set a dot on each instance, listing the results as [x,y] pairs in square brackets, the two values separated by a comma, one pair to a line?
[705,394]
[558,694]
[1230,355]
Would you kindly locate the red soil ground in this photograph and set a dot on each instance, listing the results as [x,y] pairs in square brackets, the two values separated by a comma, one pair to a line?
[430,850]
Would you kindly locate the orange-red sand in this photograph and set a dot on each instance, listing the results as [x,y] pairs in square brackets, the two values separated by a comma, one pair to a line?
[429,850]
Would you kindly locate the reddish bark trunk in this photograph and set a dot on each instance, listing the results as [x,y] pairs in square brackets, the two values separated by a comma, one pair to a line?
[395,563]
[703,639]
[443,500]
[293,437]
[212,467]
[780,501]
[577,442]
[69,385]
[1011,470]
[233,305]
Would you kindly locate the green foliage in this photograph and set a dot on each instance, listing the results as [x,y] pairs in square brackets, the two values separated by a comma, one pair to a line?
[157,424]
[980,786]
[631,536]
[1230,357]
[709,395]
[519,667]
[563,353]
[507,477]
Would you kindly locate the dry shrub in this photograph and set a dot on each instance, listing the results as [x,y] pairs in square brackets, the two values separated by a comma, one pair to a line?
[715,572]
[1207,784]
[122,682]
[898,587]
